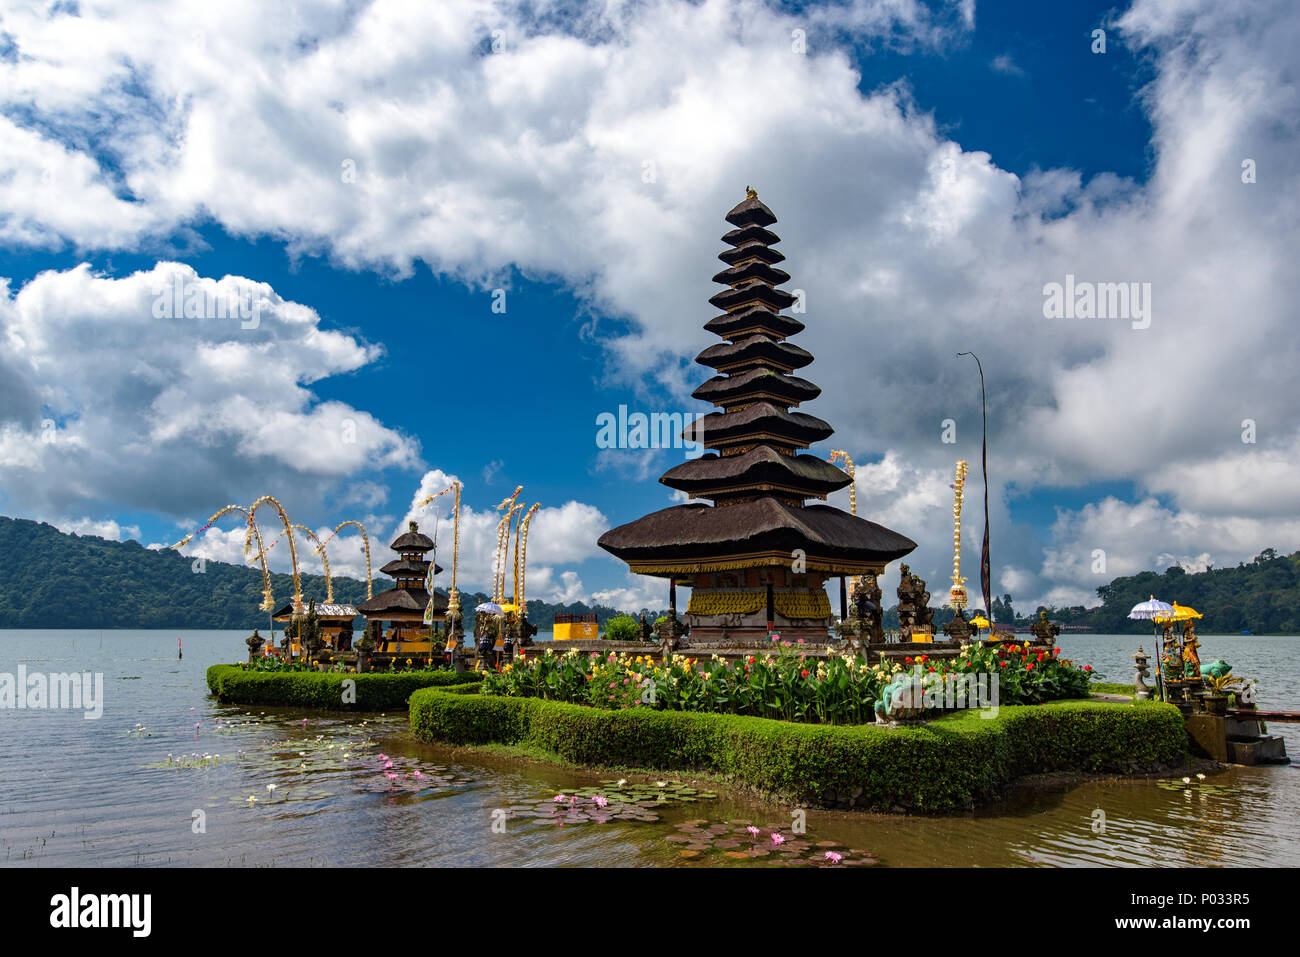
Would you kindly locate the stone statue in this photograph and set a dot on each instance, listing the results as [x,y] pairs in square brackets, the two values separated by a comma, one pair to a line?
[959,629]
[1171,664]
[645,628]
[903,699]
[526,630]
[1216,669]
[1044,631]
[1191,660]
[914,612]
[866,597]
[255,642]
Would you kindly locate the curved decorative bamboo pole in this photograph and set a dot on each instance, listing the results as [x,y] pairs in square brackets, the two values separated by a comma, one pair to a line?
[365,542]
[957,594]
[853,485]
[453,597]
[319,550]
[503,536]
[251,532]
[502,555]
[293,549]
[521,558]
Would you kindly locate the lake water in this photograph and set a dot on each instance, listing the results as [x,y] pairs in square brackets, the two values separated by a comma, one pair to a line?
[132,787]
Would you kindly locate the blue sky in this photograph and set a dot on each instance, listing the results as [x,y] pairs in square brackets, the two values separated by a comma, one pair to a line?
[931,166]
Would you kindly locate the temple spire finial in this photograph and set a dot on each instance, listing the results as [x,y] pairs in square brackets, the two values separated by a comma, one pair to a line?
[750,193]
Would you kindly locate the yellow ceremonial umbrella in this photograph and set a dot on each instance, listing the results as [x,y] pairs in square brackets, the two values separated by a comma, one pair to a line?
[1179,613]
[979,621]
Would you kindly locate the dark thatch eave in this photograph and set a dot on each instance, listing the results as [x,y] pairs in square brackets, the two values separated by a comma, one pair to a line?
[400,566]
[751,234]
[752,270]
[752,250]
[797,428]
[761,465]
[757,383]
[412,542]
[751,211]
[753,293]
[754,349]
[704,534]
[758,320]
[401,600]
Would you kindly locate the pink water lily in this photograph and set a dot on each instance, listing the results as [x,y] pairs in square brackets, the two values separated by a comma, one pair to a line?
[382,756]
[753,831]
[777,838]
[600,800]
[558,798]
[387,765]
[833,857]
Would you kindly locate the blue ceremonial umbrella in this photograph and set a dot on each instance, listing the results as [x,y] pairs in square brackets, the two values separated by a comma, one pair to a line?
[490,607]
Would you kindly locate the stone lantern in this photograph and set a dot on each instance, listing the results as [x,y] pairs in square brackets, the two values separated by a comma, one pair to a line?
[1140,662]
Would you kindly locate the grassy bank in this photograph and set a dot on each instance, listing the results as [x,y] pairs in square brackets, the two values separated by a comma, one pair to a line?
[949,764]
[326,690]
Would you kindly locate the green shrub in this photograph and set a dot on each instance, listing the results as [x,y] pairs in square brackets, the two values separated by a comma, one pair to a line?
[233,684]
[946,765]
[622,628]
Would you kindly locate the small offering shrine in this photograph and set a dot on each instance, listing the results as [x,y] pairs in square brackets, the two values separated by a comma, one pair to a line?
[334,623]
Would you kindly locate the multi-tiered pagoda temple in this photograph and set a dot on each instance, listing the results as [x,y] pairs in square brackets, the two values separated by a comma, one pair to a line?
[759,557]
[403,605]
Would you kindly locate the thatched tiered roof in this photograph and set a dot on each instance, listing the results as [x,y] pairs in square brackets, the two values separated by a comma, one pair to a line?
[409,597]
[757,479]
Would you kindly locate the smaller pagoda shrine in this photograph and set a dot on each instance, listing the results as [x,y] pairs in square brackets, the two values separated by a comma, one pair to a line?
[395,618]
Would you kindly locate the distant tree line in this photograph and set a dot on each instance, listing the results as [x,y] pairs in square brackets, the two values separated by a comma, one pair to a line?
[49,579]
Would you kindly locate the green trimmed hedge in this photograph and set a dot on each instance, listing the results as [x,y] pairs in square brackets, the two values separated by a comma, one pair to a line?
[949,764]
[315,689]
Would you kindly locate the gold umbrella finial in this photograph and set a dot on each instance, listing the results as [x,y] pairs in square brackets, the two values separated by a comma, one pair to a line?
[749,193]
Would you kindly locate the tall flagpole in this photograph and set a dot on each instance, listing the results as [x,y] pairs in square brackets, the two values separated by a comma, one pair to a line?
[985,570]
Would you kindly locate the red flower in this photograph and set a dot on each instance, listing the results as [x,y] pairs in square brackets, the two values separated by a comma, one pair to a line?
[1030,666]
[1087,667]
[907,660]
[804,673]
[1002,664]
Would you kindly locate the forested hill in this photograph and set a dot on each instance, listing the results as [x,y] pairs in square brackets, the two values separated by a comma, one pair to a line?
[1262,596]
[49,579]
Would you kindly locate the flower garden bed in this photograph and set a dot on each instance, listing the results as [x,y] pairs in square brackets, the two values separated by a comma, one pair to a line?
[948,764]
[782,683]
[239,684]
